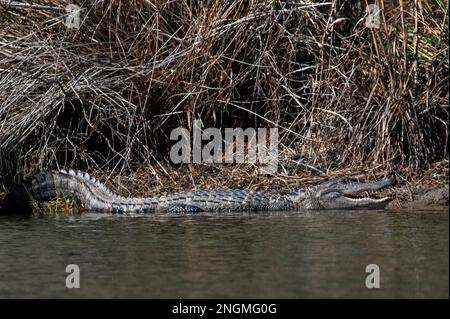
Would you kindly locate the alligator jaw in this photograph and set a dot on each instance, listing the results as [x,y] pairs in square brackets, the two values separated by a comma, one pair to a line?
[344,202]
[365,202]
[355,188]
[345,196]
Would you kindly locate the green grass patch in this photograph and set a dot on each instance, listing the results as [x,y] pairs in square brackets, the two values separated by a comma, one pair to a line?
[61,206]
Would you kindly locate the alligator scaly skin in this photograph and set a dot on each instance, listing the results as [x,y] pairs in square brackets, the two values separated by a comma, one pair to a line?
[92,194]
[95,196]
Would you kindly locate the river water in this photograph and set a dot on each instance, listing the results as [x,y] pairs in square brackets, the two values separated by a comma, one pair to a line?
[277,255]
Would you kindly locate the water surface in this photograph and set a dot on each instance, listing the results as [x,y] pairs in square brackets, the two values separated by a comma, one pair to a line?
[278,255]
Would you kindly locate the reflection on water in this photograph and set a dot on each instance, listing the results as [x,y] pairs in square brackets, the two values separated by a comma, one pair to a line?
[295,255]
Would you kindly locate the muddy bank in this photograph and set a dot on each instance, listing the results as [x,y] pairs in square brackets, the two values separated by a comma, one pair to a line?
[424,196]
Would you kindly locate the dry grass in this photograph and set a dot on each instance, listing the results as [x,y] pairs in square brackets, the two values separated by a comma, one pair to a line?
[105,97]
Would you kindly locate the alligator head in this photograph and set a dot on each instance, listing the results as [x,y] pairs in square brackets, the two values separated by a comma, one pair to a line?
[340,195]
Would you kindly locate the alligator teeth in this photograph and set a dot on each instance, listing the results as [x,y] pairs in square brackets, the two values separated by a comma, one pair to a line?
[72,172]
[63,171]
[373,200]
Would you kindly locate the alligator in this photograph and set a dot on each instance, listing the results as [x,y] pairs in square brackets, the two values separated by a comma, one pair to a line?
[95,196]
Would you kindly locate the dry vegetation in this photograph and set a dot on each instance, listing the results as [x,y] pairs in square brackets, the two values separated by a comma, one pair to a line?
[347,99]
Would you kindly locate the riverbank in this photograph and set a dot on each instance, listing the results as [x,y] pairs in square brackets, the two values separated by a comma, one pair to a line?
[412,190]
[349,96]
